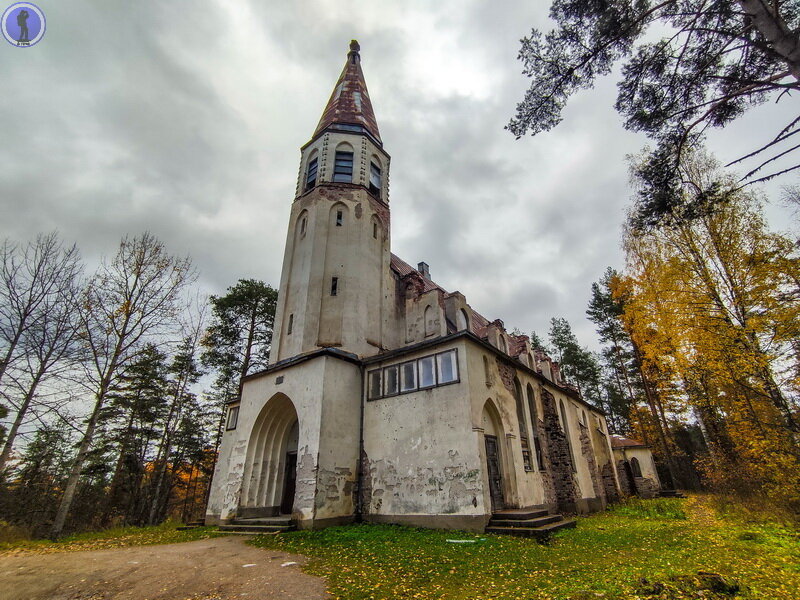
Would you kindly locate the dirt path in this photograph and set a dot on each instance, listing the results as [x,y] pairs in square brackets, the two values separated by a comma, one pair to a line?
[216,569]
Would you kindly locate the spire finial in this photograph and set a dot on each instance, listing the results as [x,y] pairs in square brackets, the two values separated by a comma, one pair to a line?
[354,47]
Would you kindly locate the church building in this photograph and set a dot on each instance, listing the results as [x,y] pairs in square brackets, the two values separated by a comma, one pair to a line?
[389,399]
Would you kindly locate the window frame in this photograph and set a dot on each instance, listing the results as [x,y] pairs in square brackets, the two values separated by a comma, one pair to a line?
[311,183]
[233,415]
[415,387]
[339,166]
[386,370]
[375,190]
[370,374]
[431,357]
[456,370]
[334,286]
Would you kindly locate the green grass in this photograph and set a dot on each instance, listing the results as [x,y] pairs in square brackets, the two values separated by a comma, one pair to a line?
[609,553]
[111,538]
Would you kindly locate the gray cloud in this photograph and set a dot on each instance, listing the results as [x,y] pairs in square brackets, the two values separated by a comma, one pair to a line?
[185,118]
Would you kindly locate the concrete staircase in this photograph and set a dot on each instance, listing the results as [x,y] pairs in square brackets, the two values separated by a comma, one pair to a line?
[259,525]
[528,522]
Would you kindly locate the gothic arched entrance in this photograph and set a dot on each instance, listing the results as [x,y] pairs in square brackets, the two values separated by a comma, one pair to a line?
[268,485]
[493,437]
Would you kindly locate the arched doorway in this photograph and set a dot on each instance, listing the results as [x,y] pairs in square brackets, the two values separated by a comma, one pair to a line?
[493,435]
[271,466]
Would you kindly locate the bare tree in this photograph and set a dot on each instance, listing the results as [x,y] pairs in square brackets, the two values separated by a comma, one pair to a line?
[133,299]
[48,340]
[29,276]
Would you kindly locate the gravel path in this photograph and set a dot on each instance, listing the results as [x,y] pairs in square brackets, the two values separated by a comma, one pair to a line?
[216,569]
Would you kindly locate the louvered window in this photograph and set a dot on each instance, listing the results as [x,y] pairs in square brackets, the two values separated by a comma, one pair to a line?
[343,167]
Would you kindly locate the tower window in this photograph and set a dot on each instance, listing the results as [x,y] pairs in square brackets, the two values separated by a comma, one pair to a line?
[291,323]
[334,286]
[303,226]
[339,218]
[343,167]
[374,179]
[375,230]
[311,174]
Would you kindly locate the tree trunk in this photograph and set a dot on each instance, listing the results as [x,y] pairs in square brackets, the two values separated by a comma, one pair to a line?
[776,32]
[77,466]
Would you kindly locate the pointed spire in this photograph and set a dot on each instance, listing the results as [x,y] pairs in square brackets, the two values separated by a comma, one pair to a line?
[350,103]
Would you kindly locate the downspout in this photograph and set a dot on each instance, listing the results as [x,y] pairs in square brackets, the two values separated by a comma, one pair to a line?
[359,465]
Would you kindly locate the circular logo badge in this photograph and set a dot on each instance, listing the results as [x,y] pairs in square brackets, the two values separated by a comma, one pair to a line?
[23,24]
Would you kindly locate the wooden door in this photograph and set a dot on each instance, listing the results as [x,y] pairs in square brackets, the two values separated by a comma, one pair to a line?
[495,474]
[289,479]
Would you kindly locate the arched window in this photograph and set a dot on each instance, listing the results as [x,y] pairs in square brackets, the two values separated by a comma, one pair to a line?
[375,177]
[636,469]
[565,425]
[501,343]
[523,428]
[343,164]
[302,225]
[462,320]
[537,446]
[311,172]
[430,320]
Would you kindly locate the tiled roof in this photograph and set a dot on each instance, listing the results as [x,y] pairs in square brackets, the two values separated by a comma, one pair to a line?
[349,103]
[618,441]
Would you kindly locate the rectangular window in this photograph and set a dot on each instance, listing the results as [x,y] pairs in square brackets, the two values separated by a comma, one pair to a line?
[408,376]
[339,218]
[311,174]
[447,366]
[375,179]
[291,323]
[374,385]
[427,372]
[233,418]
[343,167]
[390,383]
[334,286]
[375,230]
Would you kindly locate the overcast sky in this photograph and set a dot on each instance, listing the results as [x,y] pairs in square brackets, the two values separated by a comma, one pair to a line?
[186,119]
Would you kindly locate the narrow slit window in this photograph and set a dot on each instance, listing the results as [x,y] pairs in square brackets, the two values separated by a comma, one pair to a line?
[339,218]
[375,230]
[291,324]
[375,179]
[334,286]
[311,174]
[303,226]
[343,167]
[427,372]
[374,385]
[233,418]
[390,381]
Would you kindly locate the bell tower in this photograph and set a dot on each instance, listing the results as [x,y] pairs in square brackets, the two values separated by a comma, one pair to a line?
[335,288]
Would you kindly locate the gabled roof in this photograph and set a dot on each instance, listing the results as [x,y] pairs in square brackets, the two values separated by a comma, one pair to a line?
[618,441]
[349,103]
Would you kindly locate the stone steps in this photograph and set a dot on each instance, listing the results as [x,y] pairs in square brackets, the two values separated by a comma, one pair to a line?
[259,525]
[531,522]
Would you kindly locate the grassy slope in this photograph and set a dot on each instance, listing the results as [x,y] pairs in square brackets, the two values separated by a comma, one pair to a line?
[607,553]
[110,538]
